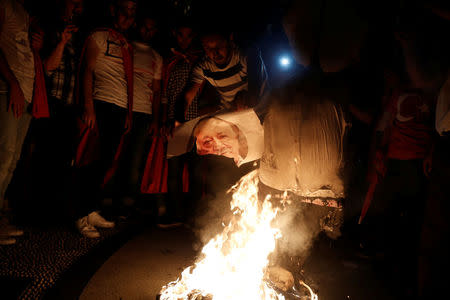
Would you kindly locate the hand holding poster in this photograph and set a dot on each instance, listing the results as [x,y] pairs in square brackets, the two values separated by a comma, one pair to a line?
[237,135]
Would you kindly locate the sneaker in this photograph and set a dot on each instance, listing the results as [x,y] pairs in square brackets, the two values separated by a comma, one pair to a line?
[87,229]
[14,231]
[10,231]
[4,241]
[167,222]
[96,220]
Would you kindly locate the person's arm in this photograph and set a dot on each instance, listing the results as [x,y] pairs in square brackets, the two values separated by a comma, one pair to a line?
[361,115]
[155,126]
[379,148]
[89,62]
[164,108]
[16,97]
[54,59]
[190,94]
[257,77]
[196,82]
[438,9]
[416,72]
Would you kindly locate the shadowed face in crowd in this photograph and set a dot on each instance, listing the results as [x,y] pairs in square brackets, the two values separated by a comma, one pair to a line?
[184,36]
[74,7]
[148,30]
[217,48]
[125,14]
[215,136]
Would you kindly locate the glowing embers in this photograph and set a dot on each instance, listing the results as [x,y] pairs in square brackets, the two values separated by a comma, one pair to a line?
[233,264]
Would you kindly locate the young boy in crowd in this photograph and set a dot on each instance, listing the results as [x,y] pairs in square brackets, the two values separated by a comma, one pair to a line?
[178,67]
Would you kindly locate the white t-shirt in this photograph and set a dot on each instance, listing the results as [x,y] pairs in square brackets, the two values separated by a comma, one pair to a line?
[443,108]
[147,67]
[110,84]
[15,45]
[227,81]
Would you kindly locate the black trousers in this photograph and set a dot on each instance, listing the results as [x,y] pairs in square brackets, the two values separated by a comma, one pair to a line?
[45,196]
[395,218]
[127,178]
[178,203]
[434,260]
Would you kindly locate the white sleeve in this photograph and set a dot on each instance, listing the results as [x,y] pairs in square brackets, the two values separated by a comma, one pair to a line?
[443,108]
[99,37]
[159,67]
[197,74]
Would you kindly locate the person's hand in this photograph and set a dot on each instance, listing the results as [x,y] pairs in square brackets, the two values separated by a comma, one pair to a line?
[154,128]
[427,165]
[377,168]
[89,117]
[165,130]
[177,124]
[16,99]
[404,38]
[380,163]
[240,101]
[37,40]
[66,35]
[127,123]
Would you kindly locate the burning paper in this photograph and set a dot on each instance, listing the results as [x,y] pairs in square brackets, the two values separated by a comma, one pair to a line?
[233,264]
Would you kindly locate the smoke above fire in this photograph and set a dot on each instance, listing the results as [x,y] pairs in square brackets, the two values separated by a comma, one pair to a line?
[298,223]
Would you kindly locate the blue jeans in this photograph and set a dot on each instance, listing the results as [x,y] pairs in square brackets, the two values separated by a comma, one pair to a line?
[12,135]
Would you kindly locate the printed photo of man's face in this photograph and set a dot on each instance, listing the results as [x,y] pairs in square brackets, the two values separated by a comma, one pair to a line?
[219,137]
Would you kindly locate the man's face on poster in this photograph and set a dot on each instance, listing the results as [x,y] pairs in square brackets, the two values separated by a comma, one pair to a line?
[218,137]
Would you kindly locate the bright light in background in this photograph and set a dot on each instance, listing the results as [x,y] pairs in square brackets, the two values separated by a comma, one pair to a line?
[285,61]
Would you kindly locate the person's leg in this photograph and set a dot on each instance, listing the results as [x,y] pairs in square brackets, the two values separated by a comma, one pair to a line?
[12,135]
[132,163]
[171,210]
[409,206]
[110,122]
[175,188]
[435,237]
[64,129]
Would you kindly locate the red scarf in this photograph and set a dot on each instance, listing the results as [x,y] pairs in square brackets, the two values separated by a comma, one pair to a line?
[40,104]
[86,144]
[39,101]
[177,56]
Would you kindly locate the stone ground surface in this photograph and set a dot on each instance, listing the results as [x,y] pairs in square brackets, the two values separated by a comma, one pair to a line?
[156,257]
[39,259]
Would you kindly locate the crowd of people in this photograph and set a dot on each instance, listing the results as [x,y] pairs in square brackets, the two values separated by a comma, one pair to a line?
[101,95]
[110,93]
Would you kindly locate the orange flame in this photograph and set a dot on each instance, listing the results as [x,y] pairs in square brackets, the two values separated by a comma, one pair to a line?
[233,263]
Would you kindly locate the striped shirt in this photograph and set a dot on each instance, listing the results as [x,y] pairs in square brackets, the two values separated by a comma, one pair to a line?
[227,81]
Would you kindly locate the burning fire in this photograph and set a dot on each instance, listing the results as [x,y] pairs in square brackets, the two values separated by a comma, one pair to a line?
[232,265]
